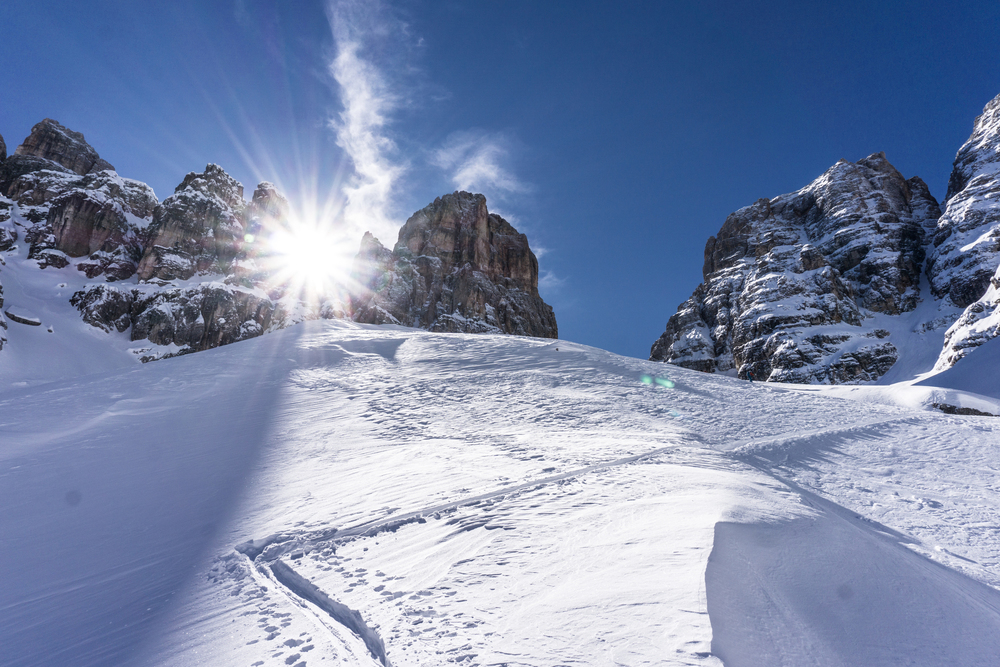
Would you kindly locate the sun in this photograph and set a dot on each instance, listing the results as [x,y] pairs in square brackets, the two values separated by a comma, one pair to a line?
[308,256]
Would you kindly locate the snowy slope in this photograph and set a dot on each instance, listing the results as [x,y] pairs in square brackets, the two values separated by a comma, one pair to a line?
[340,493]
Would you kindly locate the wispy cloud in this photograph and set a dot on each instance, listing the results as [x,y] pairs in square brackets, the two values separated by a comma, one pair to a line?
[477,160]
[360,28]
[373,67]
[550,284]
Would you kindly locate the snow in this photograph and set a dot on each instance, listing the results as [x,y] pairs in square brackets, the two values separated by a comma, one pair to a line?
[34,355]
[484,500]
[975,372]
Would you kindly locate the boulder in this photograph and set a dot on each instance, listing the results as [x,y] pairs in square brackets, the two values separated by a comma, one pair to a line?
[790,283]
[51,141]
[455,267]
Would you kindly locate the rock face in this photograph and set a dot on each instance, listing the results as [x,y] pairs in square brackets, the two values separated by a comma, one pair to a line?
[794,286]
[455,267]
[197,229]
[964,256]
[203,235]
[790,283]
[77,205]
[51,141]
[3,149]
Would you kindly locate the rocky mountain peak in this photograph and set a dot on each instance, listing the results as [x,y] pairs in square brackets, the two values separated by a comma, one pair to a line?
[214,181]
[965,248]
[51,141]
[789,282]
[980,154]
[455,267]
[459,230]
[196,229]
[963,261]
[268,209]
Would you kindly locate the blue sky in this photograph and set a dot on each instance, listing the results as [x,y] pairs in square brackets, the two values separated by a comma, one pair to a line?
[617,136]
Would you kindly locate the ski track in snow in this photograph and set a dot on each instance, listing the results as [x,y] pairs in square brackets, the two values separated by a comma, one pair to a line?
[487,500]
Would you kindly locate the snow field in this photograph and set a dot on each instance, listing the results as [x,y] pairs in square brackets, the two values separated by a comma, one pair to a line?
[486,500]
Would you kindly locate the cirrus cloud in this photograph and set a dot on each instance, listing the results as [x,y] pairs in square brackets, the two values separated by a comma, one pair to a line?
[477,160]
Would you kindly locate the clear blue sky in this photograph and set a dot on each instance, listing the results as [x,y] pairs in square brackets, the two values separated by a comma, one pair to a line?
[618,136]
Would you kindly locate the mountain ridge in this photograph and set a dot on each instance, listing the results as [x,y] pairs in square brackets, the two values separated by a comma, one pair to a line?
[804,287]
[199,269]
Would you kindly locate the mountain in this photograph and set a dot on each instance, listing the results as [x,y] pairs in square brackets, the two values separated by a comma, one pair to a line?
[964,256]
[199,269]
[829,284]
[456,267]
[341,493]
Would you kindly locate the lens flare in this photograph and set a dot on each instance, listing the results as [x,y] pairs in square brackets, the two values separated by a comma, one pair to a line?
[306,257]
[661,382]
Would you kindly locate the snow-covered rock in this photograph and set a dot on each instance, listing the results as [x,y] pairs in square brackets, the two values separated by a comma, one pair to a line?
[791,283]
[979,323]
[75,210]
[965,248]
[455,267]
[964,257]
[198,229]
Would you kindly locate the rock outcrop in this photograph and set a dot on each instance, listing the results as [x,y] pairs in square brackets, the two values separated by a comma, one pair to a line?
[455,267]
[790,283]
[51,141]
[964,256]
[183,320]
[197,229]
[3,149]
[96,213]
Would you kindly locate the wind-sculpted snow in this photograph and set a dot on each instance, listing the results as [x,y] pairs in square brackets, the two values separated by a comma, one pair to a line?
[791,283]
[303,497]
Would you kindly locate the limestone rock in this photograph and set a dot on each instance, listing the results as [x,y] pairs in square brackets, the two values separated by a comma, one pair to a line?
[76,210]
[267,213]
[98,215]
[979,323]
[8,230]
[455,267]
[195,319]
[964,259]
[965,248]
[198,229]
[790,283]
[51,141]
[3,149]
[17,177]
[188,319]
